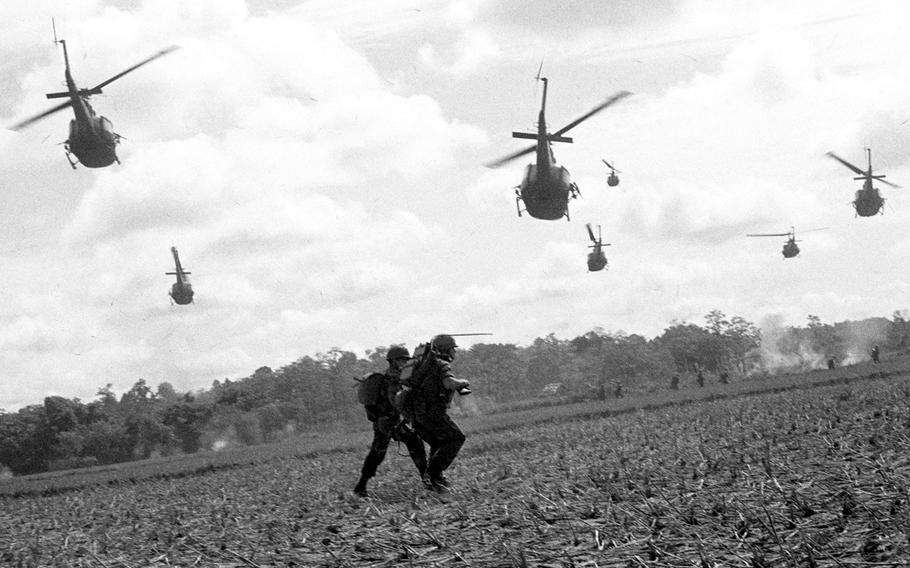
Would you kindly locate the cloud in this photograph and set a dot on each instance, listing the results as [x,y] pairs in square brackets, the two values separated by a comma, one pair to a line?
[468,54]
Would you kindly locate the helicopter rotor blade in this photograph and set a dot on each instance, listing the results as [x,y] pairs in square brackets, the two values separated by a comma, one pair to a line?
[816,229]
[37,117]
[894,185]
[768,235]
[614,99]
[510,157]
[161,53]
[609,165]
[590,232]
[846,163]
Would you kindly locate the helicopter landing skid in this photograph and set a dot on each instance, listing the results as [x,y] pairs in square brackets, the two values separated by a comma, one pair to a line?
[518,202]
[70,159]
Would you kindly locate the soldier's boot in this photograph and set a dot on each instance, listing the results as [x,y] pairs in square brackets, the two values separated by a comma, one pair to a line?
[361,488]
[438,483]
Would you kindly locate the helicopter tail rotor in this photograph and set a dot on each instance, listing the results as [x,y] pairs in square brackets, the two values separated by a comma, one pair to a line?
[590,232]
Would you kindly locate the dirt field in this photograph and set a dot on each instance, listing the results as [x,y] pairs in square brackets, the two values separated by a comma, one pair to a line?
[810,477]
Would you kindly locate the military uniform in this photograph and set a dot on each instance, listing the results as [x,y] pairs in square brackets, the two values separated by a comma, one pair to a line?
[432,422]
[388,426]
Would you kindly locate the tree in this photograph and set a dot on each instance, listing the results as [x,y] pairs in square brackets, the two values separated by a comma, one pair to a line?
[188,420]
[495,370]
[166,392]
[898,334]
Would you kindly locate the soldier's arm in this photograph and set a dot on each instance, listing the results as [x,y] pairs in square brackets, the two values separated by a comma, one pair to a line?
[449,381]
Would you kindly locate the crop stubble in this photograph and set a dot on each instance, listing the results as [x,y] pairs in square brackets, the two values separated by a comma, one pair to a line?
[815,477]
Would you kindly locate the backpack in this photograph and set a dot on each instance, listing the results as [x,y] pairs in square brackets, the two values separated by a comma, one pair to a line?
[412,376]
[369,389]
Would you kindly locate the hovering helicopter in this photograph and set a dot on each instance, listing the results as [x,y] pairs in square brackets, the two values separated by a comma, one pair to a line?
[181,291]
[790,249]
[92,140]
[596,258]
[868,201]
[546,186]
[612,179]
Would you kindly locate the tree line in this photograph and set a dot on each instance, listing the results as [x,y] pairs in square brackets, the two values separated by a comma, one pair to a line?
[318,391]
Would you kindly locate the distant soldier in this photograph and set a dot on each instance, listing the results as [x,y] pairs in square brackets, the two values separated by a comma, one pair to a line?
[700,378]
[617,389]
[724,377]
[875,355]
[388,424]
[431,403]
[831,363]
[674,382]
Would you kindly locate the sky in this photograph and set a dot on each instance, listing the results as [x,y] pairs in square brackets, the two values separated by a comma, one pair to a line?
[320,167]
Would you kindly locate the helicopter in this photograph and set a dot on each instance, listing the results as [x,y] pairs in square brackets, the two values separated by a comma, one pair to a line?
[596,258]
[181,291]
[791,249]
[92,140]
[868,201]
[546,186]
[612,179]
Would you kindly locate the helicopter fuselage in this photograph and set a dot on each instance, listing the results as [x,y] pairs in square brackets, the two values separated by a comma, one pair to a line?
[546,187]
[790,249]
[181,291]
[546,191]
[91,139]
[596,260]
[868,201]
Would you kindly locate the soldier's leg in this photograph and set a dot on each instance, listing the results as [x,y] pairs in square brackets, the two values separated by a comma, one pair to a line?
[375,457]
[427,432]
[449,439]
[415,448]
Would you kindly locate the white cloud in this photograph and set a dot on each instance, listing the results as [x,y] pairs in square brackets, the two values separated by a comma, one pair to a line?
[318,203]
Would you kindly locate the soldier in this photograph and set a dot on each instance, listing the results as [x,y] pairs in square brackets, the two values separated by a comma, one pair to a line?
[388,425]
[674,382]
[700,378]
[431,420]
[875,354]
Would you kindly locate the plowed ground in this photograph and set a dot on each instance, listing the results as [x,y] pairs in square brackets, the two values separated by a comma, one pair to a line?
[814,477]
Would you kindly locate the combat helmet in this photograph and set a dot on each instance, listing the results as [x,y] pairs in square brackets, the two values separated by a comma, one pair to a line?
[444,342]
[397,352]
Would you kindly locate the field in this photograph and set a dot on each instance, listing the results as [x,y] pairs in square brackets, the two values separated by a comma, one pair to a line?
[780,474]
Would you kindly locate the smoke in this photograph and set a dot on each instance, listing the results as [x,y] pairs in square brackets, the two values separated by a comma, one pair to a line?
[468,405]
[784,348]
[859,338]
[769,358]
